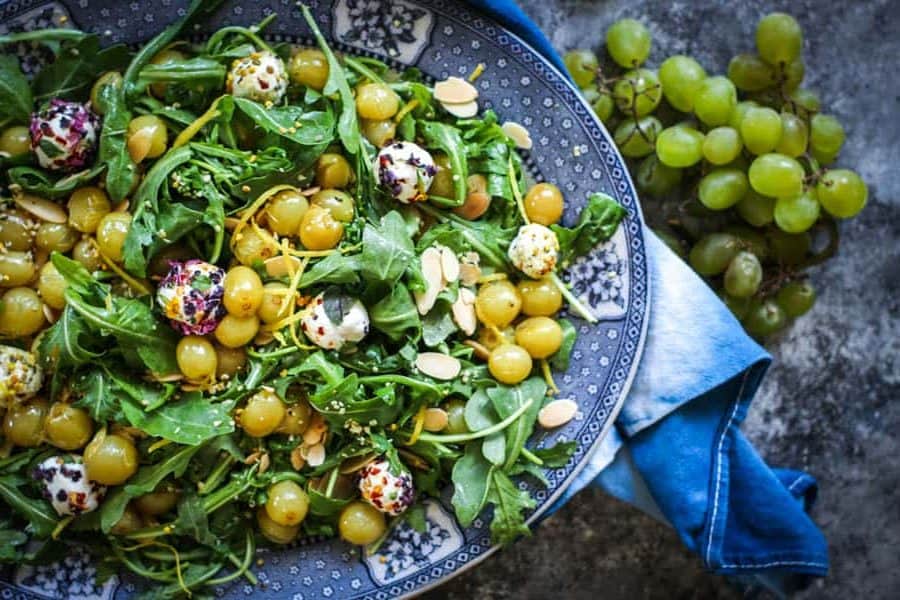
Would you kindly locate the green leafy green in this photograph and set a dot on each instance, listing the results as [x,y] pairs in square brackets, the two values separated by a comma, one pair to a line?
[388,251]
[191,420]
[121,172]
[16,102]
[557,455]
[506,400]
[471,478]
[37,511]
[77,66]
[598,221]
[38,182]
[447,138]
[560,360]
[508,521]
[307,128]
[396,315]
[438,325]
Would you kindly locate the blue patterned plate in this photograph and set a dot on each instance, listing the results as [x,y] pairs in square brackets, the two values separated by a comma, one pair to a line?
[442,38]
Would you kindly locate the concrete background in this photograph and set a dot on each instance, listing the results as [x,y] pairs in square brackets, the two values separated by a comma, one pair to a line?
[829,404]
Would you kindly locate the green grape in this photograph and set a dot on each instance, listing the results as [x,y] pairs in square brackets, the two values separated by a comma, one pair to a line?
[638,92]
[743,275]
[737,115]
[723,188]
[738,306]
[715,101]
[750,73]
[750,239]
[756,209]
[582,65]
[681,77]
[805,101]
[628,42]
[794,136]
[826,135]
[797,214]
[842,193]
[722,145]
[764,318]
[788,248]
[779,38]
[761,130]
[796,298]
[712,254]
[637,138]
[776,175]
[601,102]
[679,146]
[792,74]
[824,158]
[655,178]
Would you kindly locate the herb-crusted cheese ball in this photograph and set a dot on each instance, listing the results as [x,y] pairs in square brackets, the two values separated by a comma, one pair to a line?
[64,135]
[389,491]
[406,171]
[534,250]
[325,333]
[260,77]
[67,487]
[20,375]
[191,295]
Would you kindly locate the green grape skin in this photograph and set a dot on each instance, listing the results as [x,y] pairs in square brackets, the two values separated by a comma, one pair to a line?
[750,239]
[764,318]
[826,135]
[842,193]
[761,130]
[715,101]
[792,74]
[738,306]
[823,158]
[712,254]
[637,138]
[805,101]
[681,77]
[756,209]
[601,103]
[776,175]
[628,43]
[797,214]
[737,115]
[779,38]
[723,188]
[638,92]
[582,66]
[794,136]
[722,145]
[788,249]
[796,298]
[655,178]
[750,73]
[679,146]
[743,275]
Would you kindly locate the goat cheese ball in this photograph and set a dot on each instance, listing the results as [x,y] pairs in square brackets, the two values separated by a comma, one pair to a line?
[64,135]
[191,295]
[389,491]
[260,77]
[20,375]
[66,486]
[406,170]
[325,333]
[534,250]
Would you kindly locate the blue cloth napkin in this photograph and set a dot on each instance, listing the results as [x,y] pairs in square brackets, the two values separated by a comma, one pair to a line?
[677,451]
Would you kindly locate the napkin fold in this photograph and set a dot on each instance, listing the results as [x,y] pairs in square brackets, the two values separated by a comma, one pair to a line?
[677,451]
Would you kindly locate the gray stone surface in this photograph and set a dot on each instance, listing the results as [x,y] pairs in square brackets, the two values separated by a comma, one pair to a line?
[830,402]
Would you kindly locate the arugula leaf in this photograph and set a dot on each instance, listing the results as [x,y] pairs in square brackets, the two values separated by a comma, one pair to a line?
[144,481]
[9,540]
[37,181]
[192,520]
[437,325]
[95,395]
[313,128]
[508,522]
[506,400]
[16,102]
[334,268]
[63,346]
[560,360]
[347,127]
[40,515]
[77,66]
[396,314]
[557,455]
[471,477]
[191,420]
[388,251]
[447,138]
[480,414]
[121,172]
[597,223]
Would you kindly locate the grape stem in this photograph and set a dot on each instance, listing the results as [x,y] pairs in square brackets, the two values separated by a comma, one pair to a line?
[574,303]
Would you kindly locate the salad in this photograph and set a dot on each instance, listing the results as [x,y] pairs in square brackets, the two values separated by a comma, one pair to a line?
[256,293]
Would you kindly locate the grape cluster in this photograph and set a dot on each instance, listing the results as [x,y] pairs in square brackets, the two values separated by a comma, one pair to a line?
[740,165]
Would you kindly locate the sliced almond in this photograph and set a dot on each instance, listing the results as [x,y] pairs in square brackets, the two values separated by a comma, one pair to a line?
[282,266]
[480,349]
[517,134]
[469,274]
[436,419]
[464,311]
[50,314]
[434,280]
[264,463]
[462,111]
[297,460]
[42,209]
[354,464]
[315,456]
[557,413]
[449,265]
[438,365]
[316,430]
[455,90]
